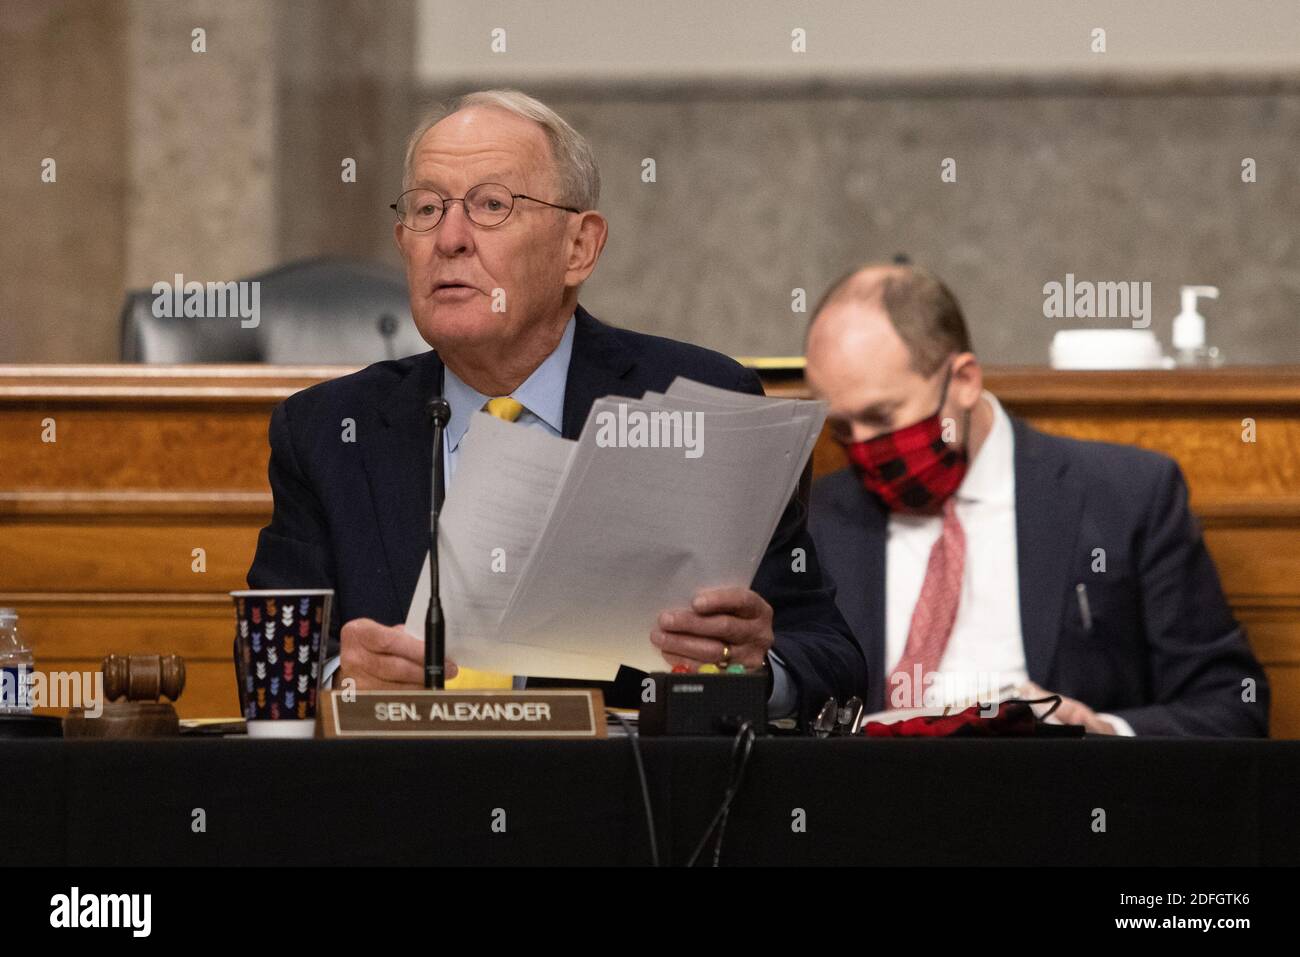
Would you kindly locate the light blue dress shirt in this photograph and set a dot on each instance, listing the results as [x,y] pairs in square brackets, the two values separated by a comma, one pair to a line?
[542,396]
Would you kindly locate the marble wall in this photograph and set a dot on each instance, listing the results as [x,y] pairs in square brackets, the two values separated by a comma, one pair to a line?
[760,193]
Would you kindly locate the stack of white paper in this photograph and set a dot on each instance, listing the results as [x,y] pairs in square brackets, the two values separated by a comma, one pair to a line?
[555,557]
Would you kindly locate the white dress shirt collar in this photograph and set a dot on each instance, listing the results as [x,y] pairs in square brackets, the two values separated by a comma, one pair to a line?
[991,475]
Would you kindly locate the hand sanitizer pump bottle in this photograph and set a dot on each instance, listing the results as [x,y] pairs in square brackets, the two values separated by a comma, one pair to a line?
[1189,331]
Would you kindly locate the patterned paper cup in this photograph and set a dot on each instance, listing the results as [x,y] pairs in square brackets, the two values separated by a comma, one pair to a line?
[280,637]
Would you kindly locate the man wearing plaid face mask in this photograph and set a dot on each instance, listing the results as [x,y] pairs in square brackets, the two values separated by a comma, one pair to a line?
[962,541]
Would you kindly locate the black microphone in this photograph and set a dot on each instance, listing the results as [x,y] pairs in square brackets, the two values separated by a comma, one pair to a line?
[435,626]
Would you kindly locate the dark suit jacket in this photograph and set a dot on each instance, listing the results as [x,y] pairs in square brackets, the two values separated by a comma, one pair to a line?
[354,516]
[1164,652]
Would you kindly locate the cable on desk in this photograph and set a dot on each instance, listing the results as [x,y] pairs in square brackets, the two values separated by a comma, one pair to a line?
[635,738]
[741,746]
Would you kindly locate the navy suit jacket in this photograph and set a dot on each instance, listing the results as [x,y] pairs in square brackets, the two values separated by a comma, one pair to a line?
[1163,651]
[354,516]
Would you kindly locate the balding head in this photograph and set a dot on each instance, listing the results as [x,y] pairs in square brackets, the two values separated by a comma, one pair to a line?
[879,342]
[922,310]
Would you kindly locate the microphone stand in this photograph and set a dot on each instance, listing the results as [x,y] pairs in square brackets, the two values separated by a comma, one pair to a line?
[435,626]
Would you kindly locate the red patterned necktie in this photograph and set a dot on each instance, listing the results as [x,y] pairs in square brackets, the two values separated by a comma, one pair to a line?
[933,617]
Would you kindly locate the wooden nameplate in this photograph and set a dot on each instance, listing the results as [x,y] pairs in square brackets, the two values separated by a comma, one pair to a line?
[539,713]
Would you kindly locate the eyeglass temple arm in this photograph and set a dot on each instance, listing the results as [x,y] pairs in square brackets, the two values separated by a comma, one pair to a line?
[393,206]
[544,202]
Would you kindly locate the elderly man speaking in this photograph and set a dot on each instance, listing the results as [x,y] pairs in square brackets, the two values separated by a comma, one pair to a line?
[498,228]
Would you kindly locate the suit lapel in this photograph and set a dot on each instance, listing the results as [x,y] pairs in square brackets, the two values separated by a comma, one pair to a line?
[873,630]
[598,367]
[1049,504]
[857,540]
[399,461]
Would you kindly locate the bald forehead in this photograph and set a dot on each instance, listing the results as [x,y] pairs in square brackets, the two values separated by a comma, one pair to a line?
[858,326]
[487,141]
[854,311]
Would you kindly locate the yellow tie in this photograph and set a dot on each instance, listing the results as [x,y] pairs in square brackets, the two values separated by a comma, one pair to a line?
[503,407]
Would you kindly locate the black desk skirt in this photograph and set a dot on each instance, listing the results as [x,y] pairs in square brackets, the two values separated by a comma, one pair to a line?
[1163,802]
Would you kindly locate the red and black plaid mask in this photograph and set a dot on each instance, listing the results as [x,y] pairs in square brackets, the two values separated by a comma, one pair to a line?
[911,469]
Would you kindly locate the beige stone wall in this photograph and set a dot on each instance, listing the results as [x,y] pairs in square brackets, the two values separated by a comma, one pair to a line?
[219,164]
[212,164]
[760,193]
[62,244]
[201,153]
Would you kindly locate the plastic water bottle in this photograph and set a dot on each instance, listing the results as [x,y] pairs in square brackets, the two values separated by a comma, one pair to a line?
[16,664]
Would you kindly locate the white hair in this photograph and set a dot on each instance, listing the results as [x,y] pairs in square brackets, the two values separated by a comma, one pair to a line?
[575,164]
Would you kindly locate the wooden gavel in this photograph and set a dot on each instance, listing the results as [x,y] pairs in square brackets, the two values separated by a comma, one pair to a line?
[143,677]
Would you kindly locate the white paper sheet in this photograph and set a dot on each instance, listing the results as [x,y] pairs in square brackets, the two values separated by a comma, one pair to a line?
[509,475]
[557,556]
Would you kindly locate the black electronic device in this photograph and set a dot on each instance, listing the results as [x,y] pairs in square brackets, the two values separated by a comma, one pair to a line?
[683,703]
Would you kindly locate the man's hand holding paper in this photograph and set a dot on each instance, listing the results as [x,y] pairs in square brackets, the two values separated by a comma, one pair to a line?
[722,626]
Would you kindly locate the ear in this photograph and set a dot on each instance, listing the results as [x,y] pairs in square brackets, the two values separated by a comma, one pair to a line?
[398,230]
[967,384]
[586,239]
